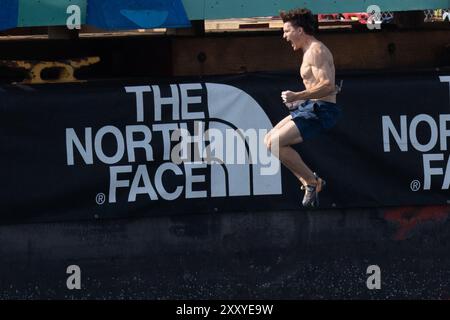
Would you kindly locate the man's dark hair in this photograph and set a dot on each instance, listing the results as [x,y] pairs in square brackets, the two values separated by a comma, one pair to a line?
[300,18]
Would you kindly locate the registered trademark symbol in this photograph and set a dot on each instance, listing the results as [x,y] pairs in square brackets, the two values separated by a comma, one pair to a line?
[100,198]
[415,185]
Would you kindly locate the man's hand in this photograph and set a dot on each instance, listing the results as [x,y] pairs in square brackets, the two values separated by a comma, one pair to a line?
[288,96]
[293,105]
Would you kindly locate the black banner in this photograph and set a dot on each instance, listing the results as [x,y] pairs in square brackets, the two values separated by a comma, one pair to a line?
[171,146]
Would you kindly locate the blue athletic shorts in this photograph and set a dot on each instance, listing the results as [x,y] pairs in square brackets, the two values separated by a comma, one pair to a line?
[315,117]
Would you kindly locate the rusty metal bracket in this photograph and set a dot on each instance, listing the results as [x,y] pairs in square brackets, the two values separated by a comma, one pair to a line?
[63,69]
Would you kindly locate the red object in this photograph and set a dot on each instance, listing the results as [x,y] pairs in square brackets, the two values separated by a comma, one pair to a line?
[407,218]
[325,17]
[358,16]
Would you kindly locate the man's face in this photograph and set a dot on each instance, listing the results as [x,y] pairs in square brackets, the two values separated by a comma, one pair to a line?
[292,35]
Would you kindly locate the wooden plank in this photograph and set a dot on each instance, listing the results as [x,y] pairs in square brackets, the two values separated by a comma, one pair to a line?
[268,23]
[61,32]
[197,29]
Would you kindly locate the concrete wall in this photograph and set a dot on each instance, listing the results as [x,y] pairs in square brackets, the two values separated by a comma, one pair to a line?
[276,255]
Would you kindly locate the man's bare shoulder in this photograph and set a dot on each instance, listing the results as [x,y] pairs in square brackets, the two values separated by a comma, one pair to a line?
[319,53]
[320,49]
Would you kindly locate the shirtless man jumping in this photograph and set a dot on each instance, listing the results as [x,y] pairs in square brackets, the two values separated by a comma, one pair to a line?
[313,110]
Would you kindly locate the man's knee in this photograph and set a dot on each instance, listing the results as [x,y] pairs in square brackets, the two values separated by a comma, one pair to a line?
[268,140]
[271,140]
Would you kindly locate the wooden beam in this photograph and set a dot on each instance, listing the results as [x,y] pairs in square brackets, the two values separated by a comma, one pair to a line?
[197,29]
[235,52]
[62,33]
[363,51]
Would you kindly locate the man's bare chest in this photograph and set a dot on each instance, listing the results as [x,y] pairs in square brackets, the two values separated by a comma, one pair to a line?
[306,72]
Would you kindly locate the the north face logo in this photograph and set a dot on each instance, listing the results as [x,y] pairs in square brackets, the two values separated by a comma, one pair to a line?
[189,141]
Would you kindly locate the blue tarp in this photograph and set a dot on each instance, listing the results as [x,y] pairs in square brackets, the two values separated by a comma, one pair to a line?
[136,14]
[8,14]
[110,14]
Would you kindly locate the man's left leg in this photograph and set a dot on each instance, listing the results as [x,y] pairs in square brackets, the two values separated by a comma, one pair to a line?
[279,125]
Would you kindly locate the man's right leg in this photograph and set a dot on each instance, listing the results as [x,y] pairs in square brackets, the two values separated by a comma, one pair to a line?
[284,135]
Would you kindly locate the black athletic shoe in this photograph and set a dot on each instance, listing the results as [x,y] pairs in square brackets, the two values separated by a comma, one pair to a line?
[311,198]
